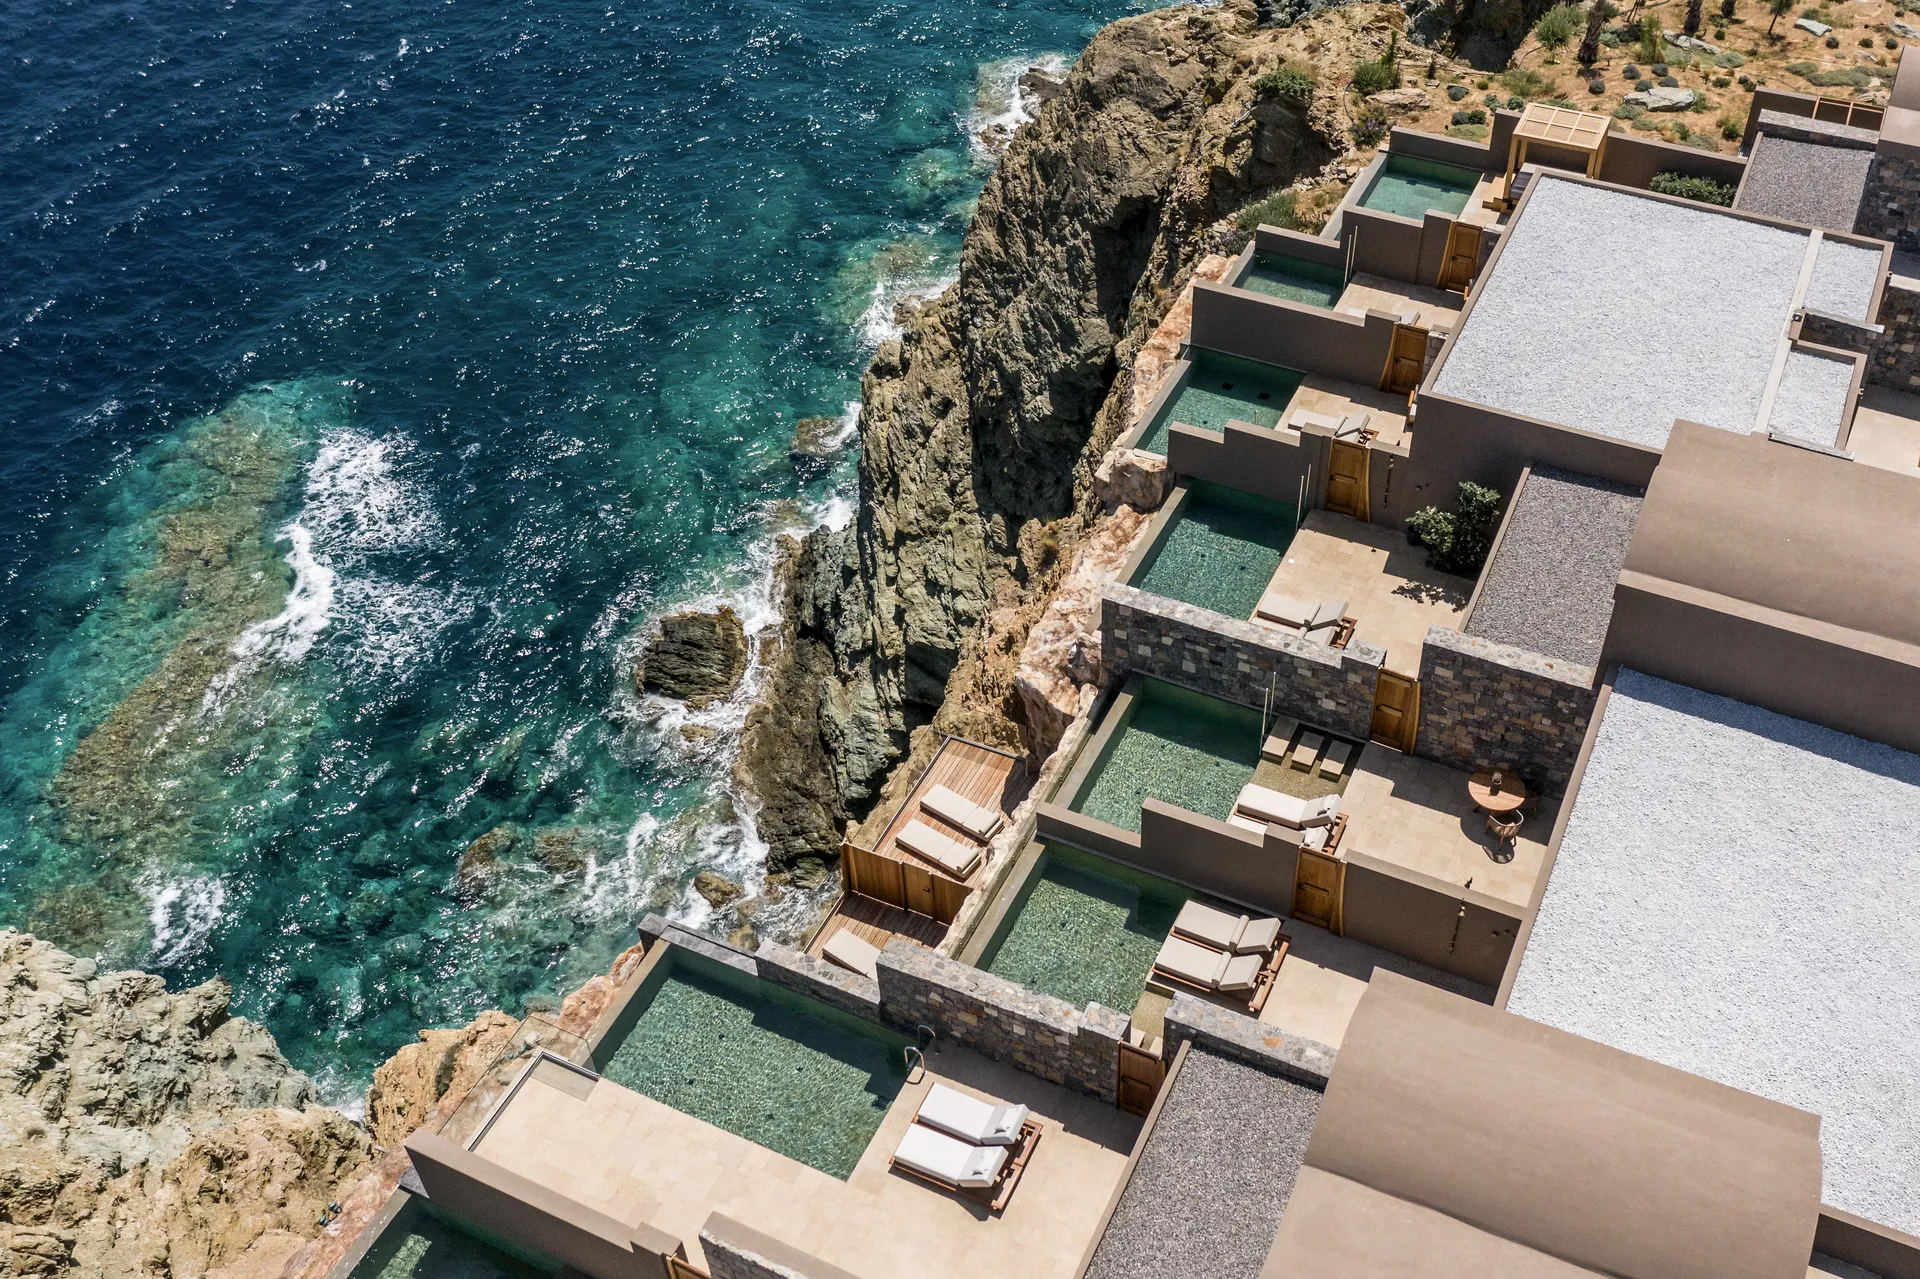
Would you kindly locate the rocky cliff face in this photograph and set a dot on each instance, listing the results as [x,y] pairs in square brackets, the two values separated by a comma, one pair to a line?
[151,1133]
[982,424]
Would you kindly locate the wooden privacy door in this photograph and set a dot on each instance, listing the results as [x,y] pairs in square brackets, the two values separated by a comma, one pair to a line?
[1347,479]
[1462,257]
[1406,359]
[1396,710]
[1139,1079]
[1317,881]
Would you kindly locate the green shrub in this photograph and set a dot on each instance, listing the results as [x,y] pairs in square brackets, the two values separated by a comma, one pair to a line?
[1456,92]
[1557,26]
[1468,132]
[1278,209]
[1294,82]
[1457,541]
[1653,42]
[1803,68]
[1382,73]
[1705,190]
[1729,59]
[1833,79]
[1524,83]
[1660,69]
[1731,129]
[1628,111]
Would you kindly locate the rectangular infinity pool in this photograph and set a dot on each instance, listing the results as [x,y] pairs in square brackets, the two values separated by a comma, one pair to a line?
[784,1071]
[1177,746]
[416,1244]
[1409,186]
[1220,388]
[1221,550]
[1295,279]
[1083,929]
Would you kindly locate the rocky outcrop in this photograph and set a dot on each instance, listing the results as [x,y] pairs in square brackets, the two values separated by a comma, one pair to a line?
[696,657]
[151,1133]
[982,424]
[411,1084]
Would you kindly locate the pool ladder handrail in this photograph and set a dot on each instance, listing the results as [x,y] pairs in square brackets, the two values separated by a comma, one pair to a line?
[916,1052]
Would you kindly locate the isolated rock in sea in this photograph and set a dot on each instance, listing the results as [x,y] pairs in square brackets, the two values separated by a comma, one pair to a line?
[562,852]
[716,888]
[148,1133]
[696,657]
[816,436]
[480,862]
[408,1087]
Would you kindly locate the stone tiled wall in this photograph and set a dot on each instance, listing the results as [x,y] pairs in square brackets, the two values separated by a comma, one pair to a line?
[1484,705]
[1037,1033]
[1235,660]
[737,1251]
[1890,206]
[1246,1039]
[1894,358]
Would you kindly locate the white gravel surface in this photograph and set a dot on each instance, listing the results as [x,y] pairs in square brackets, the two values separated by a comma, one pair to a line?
[1738,895]
[1843,279]
[1812,397]
[1617,313]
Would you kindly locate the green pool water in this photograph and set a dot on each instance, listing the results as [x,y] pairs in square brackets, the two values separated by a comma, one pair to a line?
[1409,186]
[416,1244]
[1221,550]
[1084,929]
[1220,388]
[784,1071]
[1179,747]
[1295,279]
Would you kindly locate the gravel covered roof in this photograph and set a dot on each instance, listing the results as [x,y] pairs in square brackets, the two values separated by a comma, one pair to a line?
[1550,588]
[1207,1194]
[1803,182]
[1737,894]
[1812,397]
[1615,312]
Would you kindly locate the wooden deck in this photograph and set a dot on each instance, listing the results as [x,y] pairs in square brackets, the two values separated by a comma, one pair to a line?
[978,772]
[877,924]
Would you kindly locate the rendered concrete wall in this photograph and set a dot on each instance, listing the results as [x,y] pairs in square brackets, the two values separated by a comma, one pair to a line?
[1462,441]
[1881,1250]
[1427,920]
[1383,244]
[534,1217]
[1486,705]
[1240,661]
[1890,206]
[1292,334]
[1436,146]
[735,1250]
[1217,858]
[1631,161]
[1298,244]
[1270,464]
[997,1018]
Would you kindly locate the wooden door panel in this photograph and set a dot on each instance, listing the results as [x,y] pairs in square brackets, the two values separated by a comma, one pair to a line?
[1316,889]
[1396,710]
[1406,359]
[1462,257]
[1347,479]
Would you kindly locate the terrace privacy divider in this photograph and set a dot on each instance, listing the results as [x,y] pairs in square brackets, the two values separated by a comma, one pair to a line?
[1231,1034]
[1353,348]
[1488,705]
[735,1250]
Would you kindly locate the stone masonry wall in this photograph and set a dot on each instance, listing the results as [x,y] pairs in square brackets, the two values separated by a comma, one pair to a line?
[1890,205]
[1894,359]
[1037,1033]
[1246,1039]
[1235,660]
[1484,705]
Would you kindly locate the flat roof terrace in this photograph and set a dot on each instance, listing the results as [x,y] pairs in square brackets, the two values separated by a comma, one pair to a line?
[1735,896]
[1615,312]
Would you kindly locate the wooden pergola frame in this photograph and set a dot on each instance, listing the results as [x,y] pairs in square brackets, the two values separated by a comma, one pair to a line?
[1584,132]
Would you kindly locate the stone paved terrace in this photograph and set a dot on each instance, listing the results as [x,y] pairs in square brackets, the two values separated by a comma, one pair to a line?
[636,1160]
[1432,308]
[1214,1178]
[1332,397]
[1886,430]
[1390,592]
[1324,975]
[1416,814]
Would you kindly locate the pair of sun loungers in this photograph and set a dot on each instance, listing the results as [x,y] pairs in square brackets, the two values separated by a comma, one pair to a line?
[963,1144]
[956,810]
[1316,820]
[1319,621]
[1222,953]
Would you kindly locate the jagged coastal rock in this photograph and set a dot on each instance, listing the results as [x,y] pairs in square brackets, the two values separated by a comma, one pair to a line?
[151,1133]
[982,424]
[414,1080]
[695,657]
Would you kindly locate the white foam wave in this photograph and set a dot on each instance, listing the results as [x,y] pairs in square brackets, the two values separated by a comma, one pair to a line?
[183,914]
[288,635]
[1002,104]
[879,322]
[356,500]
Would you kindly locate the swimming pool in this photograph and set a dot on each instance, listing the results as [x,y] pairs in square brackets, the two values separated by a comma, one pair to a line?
[417,1244]
[1220,551]
[1408,186]
[1219,388]
[1084,929]
[784,1071]
[1297,280]
[1177,746]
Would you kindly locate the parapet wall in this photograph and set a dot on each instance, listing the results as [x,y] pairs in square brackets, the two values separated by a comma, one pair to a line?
[1486,705]
[1037,1033]
[1246,1039]
[1240,661]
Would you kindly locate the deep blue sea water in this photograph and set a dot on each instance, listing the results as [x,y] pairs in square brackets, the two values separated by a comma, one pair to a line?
[370,374]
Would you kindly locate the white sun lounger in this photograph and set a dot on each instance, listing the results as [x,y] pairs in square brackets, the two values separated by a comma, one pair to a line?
[1246,823]
[1335,761]
[1236,934]
[1207,968]
[950,855]
[971,1119]
[1284,609]
[1326,613]
[1267,805]
[949,1160]
[957,810]
[852,952]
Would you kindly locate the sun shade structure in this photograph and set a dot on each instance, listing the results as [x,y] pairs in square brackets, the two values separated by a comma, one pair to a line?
[1455,1139]
[1562,128]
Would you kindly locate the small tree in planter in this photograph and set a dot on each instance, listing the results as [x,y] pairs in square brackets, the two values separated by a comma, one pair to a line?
[1457,541]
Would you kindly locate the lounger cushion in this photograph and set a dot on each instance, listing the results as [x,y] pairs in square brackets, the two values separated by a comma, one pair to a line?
[949,1159]
[952,807]
[1241,974]
[1259,936]
[971,1119]
[1246,823]
[1190,961]
[1265,804]
[950,855]
[852,952]
[1225,931]
[1284,609]
[1327,613]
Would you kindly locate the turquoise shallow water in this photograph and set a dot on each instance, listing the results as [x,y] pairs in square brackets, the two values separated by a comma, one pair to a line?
[1181,747]
[1222,550]
[1294,279]
[372,374]
[1409,186]
[1086,929]
[1223,388]
[761,1062]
